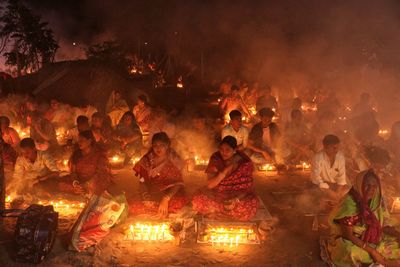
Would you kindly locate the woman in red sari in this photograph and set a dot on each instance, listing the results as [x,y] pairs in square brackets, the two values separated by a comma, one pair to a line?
[229,193]
[90,169]
[160,180]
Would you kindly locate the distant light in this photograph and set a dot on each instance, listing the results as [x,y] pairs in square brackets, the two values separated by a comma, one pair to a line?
[73,43]
[145,43]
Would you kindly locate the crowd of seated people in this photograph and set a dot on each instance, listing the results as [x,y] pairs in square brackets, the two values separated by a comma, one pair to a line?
[251,134]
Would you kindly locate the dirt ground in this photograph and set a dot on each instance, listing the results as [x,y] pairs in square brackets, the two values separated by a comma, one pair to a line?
[291,243]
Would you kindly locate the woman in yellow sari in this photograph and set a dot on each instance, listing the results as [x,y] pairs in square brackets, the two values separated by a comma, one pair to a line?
[360,227]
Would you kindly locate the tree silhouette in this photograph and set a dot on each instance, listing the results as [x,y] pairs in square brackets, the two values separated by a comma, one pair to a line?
[32,42]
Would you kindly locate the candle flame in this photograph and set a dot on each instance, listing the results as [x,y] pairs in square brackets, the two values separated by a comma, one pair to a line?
[149,232]
[267,167]
[232,236]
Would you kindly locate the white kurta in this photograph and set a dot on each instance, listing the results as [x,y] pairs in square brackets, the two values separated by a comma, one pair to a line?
[323,172]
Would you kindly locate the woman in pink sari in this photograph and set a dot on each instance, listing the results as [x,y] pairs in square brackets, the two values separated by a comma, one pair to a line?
[229,193]
[160,180]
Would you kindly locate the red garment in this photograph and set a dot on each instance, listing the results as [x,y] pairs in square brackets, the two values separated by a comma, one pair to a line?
[92,167]
[374,230]
[240,181]
[9,154]
[155,180]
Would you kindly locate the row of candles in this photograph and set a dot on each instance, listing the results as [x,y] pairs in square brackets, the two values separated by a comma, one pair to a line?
[149,232]
[232,236]
[161,232]
[65,208]
[271,167]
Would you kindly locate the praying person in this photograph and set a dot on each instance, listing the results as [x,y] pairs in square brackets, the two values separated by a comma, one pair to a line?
[101,129]
[32,167]
[142,112]
[229,193]
[160,180]
[116,107]
[267,100]
[233,102]
[90,169]
[128,135]
[328,166]
[82,124]
[298,138]
[43,132]
[361,229]
[236,129]
[9,134]
[263,138]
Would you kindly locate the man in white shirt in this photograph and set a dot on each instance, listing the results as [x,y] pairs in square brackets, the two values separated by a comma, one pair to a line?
[328,165]
[236,129]
[32,167]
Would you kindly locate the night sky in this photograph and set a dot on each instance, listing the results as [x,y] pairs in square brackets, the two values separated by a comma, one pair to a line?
[258,38]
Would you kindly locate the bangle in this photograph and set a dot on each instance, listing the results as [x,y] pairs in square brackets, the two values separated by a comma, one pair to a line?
[365,244]
[167,197]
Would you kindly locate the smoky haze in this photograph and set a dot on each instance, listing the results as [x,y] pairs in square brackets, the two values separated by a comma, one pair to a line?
[346,46]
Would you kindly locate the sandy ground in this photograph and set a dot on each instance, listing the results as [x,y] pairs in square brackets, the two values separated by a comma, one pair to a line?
[292,242]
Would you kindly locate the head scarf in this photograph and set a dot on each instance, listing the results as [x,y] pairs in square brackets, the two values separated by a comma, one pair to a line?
[366,209]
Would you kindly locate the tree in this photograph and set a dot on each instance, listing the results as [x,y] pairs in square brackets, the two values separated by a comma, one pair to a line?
[109,53]
[32,42]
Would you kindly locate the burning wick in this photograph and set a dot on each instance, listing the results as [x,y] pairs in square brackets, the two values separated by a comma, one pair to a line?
[383,133]
[116,159]
[253,110]
[199,161]
[149,232]
[232,236]
[135,160]
[179,84]
[267,167]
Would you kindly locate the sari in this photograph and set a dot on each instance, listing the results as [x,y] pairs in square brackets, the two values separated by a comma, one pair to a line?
[92,170]
[116,108]
[156,180]
[367,221]
[143,117]
[238,182]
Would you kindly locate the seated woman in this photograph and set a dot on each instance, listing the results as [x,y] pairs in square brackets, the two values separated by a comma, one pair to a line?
[142,112]
[116,107]
[9,134]
[127,135]
[160,176]
[101,129]
[90,170]
[229,192]
[359,227]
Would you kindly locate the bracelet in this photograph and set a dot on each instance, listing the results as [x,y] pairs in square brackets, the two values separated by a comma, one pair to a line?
[365,244]
[167,197]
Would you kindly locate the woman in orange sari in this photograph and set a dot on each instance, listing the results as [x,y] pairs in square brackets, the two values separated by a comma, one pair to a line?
[229,193]
[160,180]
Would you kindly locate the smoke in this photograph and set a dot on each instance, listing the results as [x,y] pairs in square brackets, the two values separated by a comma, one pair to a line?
[346,46]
